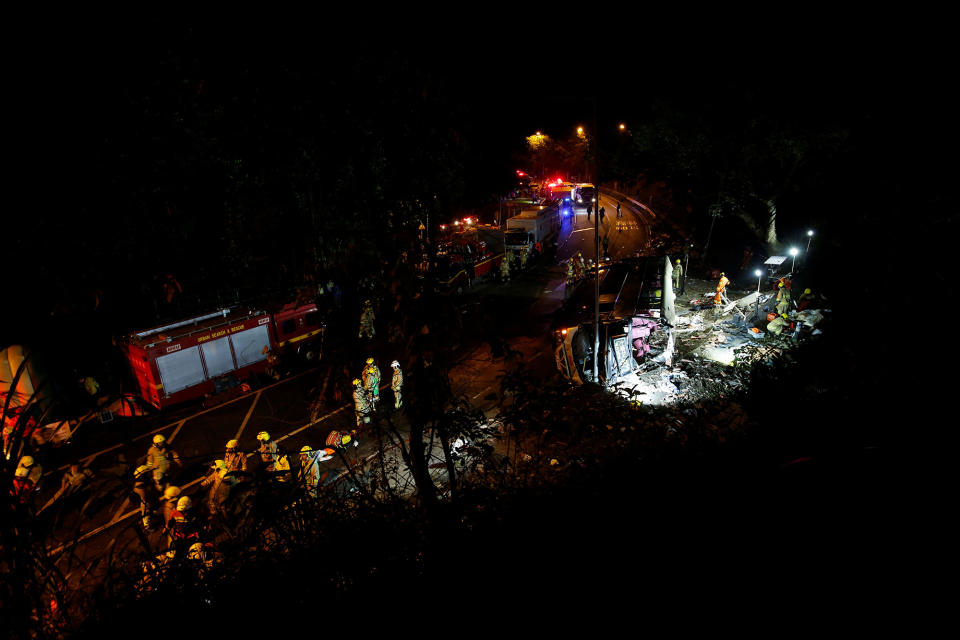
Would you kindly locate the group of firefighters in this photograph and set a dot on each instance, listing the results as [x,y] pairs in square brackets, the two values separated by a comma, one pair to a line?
[366,391]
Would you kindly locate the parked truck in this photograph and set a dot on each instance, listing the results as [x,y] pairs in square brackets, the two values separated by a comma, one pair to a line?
[533,226]
[209,353]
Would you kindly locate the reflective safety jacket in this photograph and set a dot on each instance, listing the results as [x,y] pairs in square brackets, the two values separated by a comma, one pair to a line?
[722,285]
[361,402]
[397,382]
[371,379]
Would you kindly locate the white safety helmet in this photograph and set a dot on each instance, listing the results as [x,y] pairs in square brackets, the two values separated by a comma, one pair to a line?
[196,551]
[171,493]
[26,461]
[263,436]
[395,364]
[21,472]
[232,444]
[184,503]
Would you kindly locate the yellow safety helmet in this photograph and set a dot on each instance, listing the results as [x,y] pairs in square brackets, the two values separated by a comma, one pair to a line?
[196,551]
[305,449]
[784,315]
[232,444]
[807,291]
[220,465]
[369,360]
[171,493]
[356,382]
[779,284]
[678,260]
[184,503]
[159,439]
[263,436]
[21,472]
[26,461]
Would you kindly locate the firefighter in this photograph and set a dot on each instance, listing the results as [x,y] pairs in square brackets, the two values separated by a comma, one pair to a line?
[619,215]
[366,321]
[677,275]
[184,528]
[310,470]
[582,264]
[778,324]
[805,301]
[160,459]
[268,451]
[505,267]
[361,404]
[170,498]
[371,382]
[23,488]
[722,286]
[144,488]
[34,470]
[783,298]
[235,459]
[568,283]
[523,257]
[218,483]
[396,384]
[342,439]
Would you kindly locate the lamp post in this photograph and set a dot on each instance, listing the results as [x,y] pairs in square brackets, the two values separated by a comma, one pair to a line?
[759,275]
[809,239]
[793,252]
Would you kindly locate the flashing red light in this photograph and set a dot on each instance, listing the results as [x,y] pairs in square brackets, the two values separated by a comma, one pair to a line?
[520,173]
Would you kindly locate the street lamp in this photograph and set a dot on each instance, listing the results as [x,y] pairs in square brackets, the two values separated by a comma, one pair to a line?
[759,275]
[809,238]
[623,127]
[793,252]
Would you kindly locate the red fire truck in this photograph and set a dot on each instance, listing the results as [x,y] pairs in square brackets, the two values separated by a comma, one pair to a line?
[472,252]
[206,354]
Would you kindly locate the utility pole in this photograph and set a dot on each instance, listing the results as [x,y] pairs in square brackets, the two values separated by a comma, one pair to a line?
[714,214]
[596,246]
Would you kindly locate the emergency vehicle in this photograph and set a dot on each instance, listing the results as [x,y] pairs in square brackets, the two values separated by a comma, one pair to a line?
[205,354]
[469,252]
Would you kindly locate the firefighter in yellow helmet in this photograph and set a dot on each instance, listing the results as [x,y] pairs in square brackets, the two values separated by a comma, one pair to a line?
[505,267]
[34,470]
[310,470]
[361,404]
[778,324]
[234,458]
[783,298]
[170,497]
[677,275]
[268,451]
[160,458]
[144,489]
[371,382]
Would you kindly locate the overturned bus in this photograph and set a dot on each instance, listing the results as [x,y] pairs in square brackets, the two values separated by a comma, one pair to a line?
[636,301]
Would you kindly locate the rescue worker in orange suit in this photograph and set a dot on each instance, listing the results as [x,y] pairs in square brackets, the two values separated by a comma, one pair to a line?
[783,298]
[722,286]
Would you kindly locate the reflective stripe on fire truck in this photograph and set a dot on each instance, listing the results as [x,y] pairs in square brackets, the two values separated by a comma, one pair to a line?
[292,340]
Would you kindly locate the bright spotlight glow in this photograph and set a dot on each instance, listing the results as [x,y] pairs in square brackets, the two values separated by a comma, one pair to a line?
[758,273]
[794,251]
[810,232]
